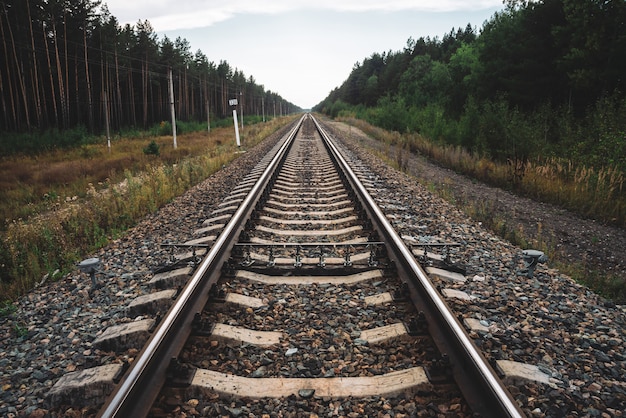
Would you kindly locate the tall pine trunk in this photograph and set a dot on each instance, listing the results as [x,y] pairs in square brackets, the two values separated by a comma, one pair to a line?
[7,61]
[89,95]
[64,110]
[144,80]
[53,94]
[119,91]
[67,72]
[35,69]
[19,73]
[131,93]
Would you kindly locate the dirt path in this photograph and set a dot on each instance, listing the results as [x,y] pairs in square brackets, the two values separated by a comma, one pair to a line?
[571,239]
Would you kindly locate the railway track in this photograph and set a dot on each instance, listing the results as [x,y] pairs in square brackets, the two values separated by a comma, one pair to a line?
[295,295]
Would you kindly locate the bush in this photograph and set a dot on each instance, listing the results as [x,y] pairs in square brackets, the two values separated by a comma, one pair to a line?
[12,143]
[152,149]
[164,128]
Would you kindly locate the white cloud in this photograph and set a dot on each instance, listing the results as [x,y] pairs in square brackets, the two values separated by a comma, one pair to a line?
[300,50]
[165,15]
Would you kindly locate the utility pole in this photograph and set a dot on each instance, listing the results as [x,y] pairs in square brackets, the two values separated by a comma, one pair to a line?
[208,116]
[172,106]
[106,120]
[207,91]
[263,107]
[241,100]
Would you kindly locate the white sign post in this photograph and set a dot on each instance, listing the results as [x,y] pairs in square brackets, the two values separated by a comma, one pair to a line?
[233,102]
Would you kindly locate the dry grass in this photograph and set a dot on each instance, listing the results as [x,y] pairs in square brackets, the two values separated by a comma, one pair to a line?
[77,200]
[29,185]
[596,193]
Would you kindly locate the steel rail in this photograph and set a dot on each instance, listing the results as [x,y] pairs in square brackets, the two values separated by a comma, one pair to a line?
[140,386]
[479,383]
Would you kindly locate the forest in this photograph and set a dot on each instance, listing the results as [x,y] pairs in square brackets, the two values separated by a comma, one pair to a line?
[68,64]
[540,80]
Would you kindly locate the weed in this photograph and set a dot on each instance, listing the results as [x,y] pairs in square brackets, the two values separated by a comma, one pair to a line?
[20,330]
[606,285]
[7,308]
[51,196]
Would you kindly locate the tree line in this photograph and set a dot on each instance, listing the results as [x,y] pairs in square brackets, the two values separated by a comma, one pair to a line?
[65,60]
[540,79]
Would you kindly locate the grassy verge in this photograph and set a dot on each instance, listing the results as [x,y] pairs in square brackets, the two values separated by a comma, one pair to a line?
[33,183]
[93,198]
[592,193]
[607,285]
[581,185]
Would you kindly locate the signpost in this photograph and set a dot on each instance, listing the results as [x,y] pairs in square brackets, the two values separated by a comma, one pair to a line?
[233,102]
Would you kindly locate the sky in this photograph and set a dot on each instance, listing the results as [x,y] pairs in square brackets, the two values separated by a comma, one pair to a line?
[301,50]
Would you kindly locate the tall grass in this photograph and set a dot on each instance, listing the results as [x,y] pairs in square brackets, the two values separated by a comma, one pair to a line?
[33,183]
[66,227]
[590,192]
[598,194]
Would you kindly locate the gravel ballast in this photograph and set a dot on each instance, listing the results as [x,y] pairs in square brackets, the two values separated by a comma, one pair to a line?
[549,321]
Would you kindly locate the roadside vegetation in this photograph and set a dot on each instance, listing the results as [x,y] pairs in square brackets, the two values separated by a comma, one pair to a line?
[397,150]
[595,193]
[534,102]
[60,205]
[74,73]
[41,178]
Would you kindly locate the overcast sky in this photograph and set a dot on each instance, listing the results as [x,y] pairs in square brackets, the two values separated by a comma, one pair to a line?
[301,50]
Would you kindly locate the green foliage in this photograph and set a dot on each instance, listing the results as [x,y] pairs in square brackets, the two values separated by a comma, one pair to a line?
[223,123]
[463,68]
[183,127]
[468,125]
[20,330]
[253,119]
[12,143]
[338,107]
[152,149]
[425,82]
[543,79]
[6,308]
[42,113]
[391,114]
[165,128]
[600,141]
[431,122]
